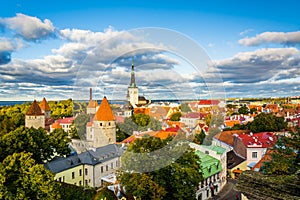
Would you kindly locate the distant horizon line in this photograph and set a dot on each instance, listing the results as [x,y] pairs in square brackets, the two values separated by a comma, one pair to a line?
[166,99]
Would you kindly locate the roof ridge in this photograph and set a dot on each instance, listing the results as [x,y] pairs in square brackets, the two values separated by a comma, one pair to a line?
[104,112]
[34,109]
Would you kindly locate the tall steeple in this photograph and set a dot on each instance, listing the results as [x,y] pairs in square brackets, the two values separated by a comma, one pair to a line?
[132,81]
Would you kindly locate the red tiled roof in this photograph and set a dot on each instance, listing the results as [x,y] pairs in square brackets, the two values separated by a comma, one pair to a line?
[263,140]
[44,105]
[104,113]
[34,109]
[208,102]
[92,104]
[67,120]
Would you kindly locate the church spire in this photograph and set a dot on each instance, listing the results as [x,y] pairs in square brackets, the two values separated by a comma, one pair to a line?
[132,81]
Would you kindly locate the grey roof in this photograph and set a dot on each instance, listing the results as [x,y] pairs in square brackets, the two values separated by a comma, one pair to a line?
[233,159]
[100,155]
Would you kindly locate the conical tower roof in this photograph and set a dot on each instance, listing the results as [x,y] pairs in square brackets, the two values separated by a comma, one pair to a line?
[34,109]
[44,105]
[104,112]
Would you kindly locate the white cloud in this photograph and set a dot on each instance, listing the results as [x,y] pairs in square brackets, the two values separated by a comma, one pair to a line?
[286,38]
[29,28]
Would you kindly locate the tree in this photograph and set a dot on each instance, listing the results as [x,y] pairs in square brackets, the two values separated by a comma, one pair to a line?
[285,156]
[178,179]
[214,120]
[243,110]
[138,122]
[185,108]
[22,178]
[175,116]
[80,122]
[199,137]
[43,146]
[141,119]
[267,122]
[253,110]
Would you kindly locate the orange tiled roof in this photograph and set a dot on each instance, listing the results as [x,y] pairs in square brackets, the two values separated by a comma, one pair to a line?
[92,104]
[56,125]
[227,136]
[266,158]
[231,123]
[104,112]
[34,109]
[44,105]
[164,134]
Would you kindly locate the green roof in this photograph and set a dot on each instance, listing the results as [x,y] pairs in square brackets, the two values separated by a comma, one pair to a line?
[209,164]
[218,149]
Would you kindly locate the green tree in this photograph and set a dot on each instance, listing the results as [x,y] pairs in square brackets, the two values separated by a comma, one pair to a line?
[199,137]
[243,110]
[43,146]
[22,178]
[267,122]
[141,119]
[138,122]
[253,110]
[175,116]
[177,180]
[185,108]
[285,156]
[80,122]
[214,120]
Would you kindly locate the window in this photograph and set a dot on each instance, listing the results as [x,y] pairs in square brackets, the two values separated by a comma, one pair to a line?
[254,154]
[86,171]
[59,179]
[106,167]
[80,183]
[73,175]
[86,182]
[100,124]
[101,169]
[112,165]
[80,172]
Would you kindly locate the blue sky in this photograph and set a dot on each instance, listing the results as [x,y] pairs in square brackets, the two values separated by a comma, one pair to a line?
[49,49]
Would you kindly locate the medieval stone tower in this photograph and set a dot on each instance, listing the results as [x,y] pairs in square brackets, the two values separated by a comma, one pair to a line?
[45,108]
[102,131]
[35,117]
[133,91]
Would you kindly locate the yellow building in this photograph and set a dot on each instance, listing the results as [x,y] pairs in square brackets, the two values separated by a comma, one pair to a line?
[86,168]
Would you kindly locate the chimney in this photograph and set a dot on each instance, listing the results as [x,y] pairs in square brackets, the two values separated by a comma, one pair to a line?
[91,94]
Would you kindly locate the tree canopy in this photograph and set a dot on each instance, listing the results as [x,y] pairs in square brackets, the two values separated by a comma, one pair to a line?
[22,178]
[175,116]
[139,122]
[267,122]
[285,155]
[177,180]
[43,146]
[243,110]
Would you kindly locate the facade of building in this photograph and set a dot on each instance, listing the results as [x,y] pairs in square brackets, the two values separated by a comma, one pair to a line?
[87,168]
[211,168]
[35,117]
[65,124]
[252,147]
[102,130]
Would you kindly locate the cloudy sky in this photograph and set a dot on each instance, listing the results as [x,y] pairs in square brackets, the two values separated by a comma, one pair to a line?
[181,49]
